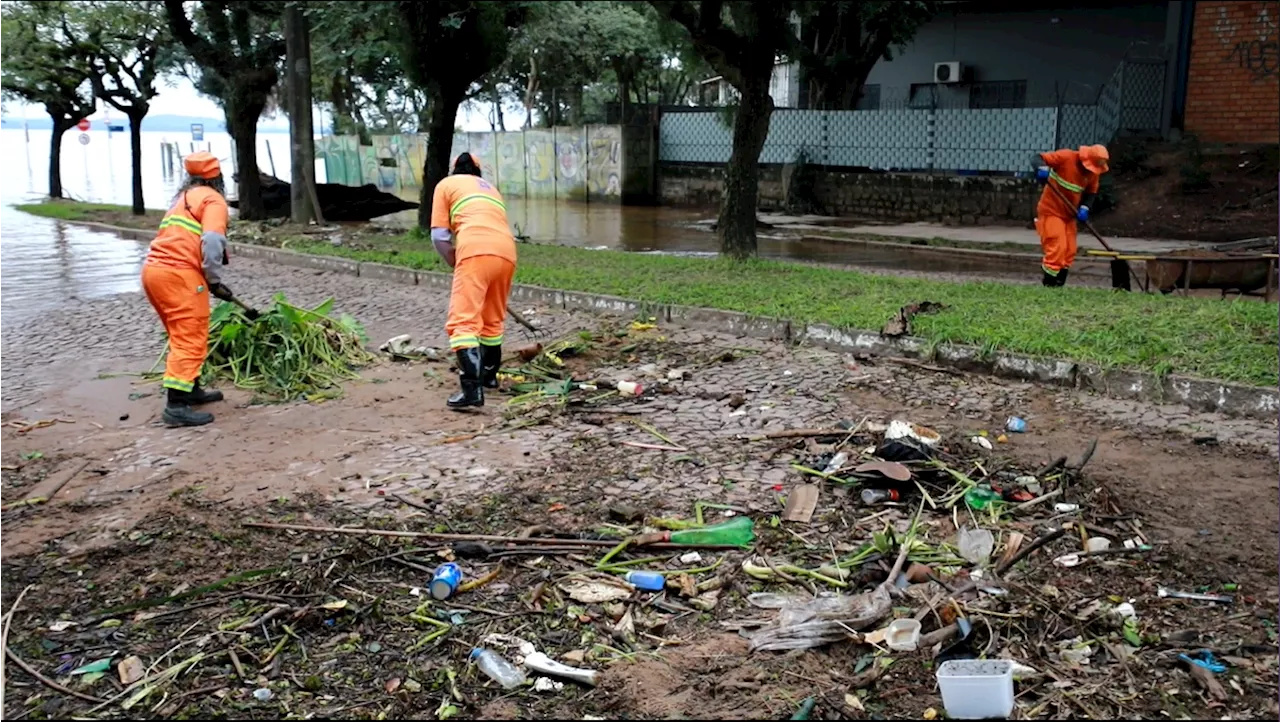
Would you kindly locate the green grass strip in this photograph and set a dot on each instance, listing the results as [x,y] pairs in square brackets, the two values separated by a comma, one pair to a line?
[1228,340]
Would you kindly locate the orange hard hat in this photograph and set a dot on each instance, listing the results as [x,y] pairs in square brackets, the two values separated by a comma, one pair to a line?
[1095,158]
[202,165]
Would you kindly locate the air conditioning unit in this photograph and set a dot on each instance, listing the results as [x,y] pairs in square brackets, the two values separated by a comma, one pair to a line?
[948,72]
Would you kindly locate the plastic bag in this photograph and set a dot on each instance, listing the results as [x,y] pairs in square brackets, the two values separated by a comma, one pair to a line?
[804,623]
[976,545]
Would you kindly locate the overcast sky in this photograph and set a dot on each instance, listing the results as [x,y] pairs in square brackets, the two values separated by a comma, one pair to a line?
[182,99]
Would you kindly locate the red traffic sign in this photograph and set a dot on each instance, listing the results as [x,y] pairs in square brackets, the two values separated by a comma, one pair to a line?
[83,125]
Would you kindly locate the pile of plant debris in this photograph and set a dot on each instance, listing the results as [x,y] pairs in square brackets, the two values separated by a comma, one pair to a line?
[285,352]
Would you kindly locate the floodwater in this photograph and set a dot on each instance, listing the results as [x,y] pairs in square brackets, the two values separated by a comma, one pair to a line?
[43,262]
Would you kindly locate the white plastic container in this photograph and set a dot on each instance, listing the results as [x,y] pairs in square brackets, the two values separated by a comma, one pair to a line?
[977,688]
[903,635]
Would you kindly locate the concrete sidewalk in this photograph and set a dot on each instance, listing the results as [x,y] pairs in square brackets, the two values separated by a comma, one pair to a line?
[995,235]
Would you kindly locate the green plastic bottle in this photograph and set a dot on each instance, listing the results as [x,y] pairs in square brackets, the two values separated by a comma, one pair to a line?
[981,498]
[738,531]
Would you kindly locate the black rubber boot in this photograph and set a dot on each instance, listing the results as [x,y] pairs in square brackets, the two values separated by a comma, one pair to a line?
[1049,280]
[1062,277]
[490,362]
[178,411]
[470,372]
[200,395]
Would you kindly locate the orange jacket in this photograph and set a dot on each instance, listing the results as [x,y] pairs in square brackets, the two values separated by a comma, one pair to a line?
[1071,178]
[193,234]
[472,209]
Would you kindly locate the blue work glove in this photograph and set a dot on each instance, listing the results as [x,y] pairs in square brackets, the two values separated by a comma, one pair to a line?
[1042,174]
[1082,214]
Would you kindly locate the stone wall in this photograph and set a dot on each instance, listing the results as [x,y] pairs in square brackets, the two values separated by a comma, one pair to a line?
[902,197]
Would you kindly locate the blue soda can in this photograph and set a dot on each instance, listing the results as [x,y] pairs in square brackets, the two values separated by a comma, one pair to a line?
[1015,424]
[445,581]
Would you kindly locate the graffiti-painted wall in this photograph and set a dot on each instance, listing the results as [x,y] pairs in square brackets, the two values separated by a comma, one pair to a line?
[591,163]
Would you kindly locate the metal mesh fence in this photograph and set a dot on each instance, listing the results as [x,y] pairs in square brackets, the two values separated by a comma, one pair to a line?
[981,127]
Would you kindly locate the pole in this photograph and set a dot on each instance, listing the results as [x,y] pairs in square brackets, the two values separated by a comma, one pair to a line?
[303,203]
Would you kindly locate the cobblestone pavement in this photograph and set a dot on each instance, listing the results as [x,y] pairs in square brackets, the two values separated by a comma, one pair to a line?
[391,436]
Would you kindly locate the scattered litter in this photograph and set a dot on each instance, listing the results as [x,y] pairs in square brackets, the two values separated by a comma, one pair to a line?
[596,591]
[690,558]
[801,503]
[544,684]
[900,324]
[262,694]
[975,545]
[497,668]
[648,581]
[982,441]
[906,430]
[903,635]
[1016,424]
[976,689]
[539,662]
[131,669]
[1216,598]
[820,621]
[1066,508]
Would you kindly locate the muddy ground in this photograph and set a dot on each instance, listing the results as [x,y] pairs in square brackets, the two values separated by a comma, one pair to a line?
[144,551]
[1184,192]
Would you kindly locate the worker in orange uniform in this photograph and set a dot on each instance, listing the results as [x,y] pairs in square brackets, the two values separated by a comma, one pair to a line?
[1074,174]
[469,229]
[181,270]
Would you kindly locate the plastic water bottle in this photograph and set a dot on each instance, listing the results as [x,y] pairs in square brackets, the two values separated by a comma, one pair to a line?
[498,669]
[980,498]
[739,531]
[879,496]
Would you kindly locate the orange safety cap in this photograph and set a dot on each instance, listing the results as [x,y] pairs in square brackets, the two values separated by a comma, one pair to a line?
[202,165]
[1095,158]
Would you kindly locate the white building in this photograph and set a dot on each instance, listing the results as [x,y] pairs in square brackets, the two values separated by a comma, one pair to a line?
[784,87]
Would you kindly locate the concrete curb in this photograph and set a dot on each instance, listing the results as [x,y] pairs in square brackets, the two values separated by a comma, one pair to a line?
[1199,394]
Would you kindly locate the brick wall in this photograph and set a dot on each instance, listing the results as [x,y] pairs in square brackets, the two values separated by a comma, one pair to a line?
[898,197]
[1233,77]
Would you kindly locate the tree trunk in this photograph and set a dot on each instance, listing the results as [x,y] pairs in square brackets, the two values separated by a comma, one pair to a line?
[495,97]
[243,126]
[298,103]
[135,158]
[443,109]
[60,127]
[736,225]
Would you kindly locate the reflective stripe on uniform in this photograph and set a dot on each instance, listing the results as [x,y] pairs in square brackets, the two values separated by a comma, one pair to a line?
[1066,184]
[185,223]
[453,211]
[1050,271]
[178,384]
[490,340]
[461,342]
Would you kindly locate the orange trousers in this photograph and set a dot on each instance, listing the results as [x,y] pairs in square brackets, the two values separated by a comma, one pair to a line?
[181,299]
[478,302]
[1057,240]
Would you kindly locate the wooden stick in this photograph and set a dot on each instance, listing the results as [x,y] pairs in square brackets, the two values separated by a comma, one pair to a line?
[45,680]
[1052,466]
[553,541]
[4,640]
[66,479]
[801,433]
[1038,500]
